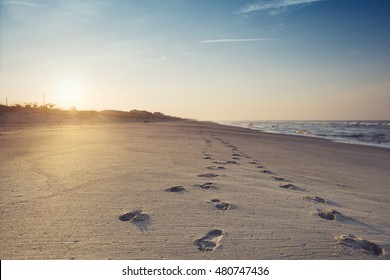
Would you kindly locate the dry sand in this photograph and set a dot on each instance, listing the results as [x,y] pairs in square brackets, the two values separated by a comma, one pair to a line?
[189,190]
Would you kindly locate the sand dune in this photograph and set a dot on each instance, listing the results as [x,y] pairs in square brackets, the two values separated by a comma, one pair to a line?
[189,190]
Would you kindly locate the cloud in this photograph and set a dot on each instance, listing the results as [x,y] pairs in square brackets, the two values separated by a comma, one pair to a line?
[353,52]
[235,40]
[22,3]
[81,8]
[277,6]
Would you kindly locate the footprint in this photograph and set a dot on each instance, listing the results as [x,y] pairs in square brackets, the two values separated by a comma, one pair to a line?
[215,167]
[315,199]
[329,214]
[206,186]
[236,158]
[207,157]
[220,205]
[280,179]
[225,162]
[268,172]
[259,166]
[253,162]
[175,189]
[359,243]
[291,187]
[208,175]
[135,216]
[138,217]
[236,155]
[210,241]
[342,186]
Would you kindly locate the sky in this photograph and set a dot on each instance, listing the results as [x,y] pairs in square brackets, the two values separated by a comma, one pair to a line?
[207,60]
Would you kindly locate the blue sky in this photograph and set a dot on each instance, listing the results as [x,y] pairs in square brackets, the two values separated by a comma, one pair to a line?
[214,60]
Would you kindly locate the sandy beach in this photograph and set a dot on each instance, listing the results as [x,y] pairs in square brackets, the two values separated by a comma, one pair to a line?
[189,190]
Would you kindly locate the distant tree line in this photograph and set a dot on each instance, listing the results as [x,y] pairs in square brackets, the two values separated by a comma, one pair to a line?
[26,105]
[33,109]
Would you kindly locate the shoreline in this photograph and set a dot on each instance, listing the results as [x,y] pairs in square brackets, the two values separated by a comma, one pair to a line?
[189,190]
[329,138]
[21,126]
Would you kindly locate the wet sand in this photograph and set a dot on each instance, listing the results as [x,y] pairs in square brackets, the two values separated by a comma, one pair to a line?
[189,190]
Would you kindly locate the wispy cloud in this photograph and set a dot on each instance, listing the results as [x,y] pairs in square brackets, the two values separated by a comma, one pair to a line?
[60,11]
[235,40]
[22,3]
[275,5]
[353,52]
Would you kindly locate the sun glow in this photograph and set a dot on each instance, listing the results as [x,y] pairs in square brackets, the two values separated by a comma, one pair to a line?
[69,93]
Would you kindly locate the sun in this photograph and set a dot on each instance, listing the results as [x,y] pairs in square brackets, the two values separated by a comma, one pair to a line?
[69,93]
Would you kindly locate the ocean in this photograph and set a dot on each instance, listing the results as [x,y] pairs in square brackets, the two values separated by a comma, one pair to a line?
[372,133]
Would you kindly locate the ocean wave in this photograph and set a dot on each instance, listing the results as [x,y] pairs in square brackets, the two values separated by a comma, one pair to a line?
[374,133]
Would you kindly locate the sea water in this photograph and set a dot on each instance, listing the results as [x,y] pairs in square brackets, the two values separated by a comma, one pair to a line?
[373,133]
